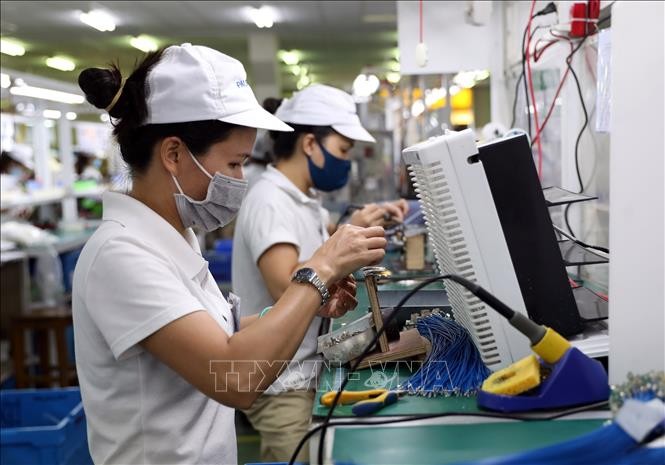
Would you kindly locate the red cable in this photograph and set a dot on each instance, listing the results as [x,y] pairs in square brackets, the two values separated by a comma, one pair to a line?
[420,8]
[531,92]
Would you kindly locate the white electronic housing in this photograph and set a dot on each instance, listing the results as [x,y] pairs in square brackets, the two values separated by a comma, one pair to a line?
[467,239]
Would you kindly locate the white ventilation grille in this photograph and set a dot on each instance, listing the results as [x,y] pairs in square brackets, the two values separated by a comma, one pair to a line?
[453,235]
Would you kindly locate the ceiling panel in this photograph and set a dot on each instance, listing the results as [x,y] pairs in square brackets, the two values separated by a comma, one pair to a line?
[337,38]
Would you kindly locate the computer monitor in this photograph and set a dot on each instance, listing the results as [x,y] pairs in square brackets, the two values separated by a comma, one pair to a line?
[487,221]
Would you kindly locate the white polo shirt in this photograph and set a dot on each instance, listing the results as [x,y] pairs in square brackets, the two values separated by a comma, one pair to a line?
[135,275]
[275,211]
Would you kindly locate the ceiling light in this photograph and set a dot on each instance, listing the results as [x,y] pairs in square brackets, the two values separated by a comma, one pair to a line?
[99,20]
[481,74]
[104,117]
[434,95]
[289,57]
[365,85]
[393,77]
[11,47]
[465,79]
[46,94]
[303,82]
[52,114]
[61,63]
[144,43]
[4,80]
[394,66]
[418,107]
[71,116]
[263,17]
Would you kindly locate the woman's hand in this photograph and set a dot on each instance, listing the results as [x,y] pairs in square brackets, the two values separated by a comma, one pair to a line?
[349,249]
[342,300]
[380,215]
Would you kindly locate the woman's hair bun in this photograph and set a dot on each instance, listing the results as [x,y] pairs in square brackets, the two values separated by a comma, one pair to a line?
[100,85]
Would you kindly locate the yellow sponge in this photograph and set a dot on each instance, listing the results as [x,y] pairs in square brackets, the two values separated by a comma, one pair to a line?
[515,379]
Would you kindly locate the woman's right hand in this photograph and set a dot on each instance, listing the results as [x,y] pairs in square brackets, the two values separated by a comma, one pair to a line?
[350,248]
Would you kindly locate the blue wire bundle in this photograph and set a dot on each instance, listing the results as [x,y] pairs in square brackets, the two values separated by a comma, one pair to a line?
[453,367]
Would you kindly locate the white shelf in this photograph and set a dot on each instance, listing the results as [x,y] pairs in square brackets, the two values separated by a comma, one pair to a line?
[593,342]
[46,197]
[30,200]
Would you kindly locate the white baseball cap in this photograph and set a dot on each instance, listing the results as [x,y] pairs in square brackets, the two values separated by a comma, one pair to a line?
[321,105]
[196,83]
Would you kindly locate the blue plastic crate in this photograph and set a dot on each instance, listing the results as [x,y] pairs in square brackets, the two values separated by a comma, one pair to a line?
[43,426]
[219,260]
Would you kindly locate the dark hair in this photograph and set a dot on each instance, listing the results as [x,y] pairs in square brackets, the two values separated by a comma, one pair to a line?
[5,162]
[137,140]
[271,104]
[284,143]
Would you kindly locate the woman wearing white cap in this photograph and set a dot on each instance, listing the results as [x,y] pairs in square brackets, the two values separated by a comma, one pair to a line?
[279,227]
[161,359]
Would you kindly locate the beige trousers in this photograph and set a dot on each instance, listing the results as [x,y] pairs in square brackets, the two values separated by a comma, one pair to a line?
[282,420]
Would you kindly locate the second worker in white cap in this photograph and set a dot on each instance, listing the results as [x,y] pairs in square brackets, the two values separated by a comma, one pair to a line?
[280,225]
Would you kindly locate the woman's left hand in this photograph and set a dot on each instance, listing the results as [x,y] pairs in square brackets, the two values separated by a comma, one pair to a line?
[342,299]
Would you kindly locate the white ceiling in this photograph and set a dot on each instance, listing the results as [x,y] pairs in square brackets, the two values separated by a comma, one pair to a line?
[338,38]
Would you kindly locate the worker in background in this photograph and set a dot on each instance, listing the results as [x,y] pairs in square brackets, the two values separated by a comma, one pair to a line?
[87,166]
[162,360]
[280,226]
[262,151]
[16,167]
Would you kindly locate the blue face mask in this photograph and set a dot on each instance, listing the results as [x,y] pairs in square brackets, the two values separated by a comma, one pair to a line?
[334,174]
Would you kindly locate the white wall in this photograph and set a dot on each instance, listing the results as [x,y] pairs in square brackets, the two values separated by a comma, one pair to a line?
[453,44]
[637,279]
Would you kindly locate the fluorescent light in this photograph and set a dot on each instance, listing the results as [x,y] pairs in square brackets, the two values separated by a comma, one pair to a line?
[61,63]
[144,43]
[394,66]
[263,17]
[434,95]
[465,79]
[52,114]
[104,117]
[11,47]
[71,116]
[418,107]
[303,82]
[289,57]
[481,74]
[393,77]
[4,80]
[365,85]
[99,20]
[47,94]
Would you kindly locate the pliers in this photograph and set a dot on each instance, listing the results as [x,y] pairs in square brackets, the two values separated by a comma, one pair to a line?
[366,402]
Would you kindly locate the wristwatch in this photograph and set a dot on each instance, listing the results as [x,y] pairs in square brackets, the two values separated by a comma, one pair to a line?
[309,276]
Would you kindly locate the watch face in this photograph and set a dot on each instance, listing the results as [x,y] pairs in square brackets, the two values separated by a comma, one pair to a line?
[303,274]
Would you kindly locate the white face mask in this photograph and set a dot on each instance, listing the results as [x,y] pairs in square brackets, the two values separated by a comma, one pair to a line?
[221,205]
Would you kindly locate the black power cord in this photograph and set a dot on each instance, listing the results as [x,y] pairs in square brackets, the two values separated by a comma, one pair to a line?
[474,288]
[579,242]
[569,60]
